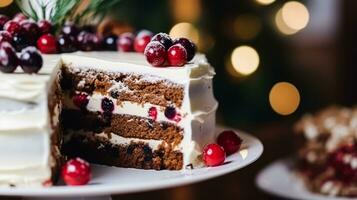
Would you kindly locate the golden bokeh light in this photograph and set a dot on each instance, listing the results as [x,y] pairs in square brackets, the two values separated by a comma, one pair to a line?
[247,26]
[185,29]
[284,98]
[265,2]
[186,10]
[282,27]
[245,60]
[4,3]
[295,15]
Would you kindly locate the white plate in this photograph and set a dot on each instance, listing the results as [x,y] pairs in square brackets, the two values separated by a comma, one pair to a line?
[279,179]
[114,180]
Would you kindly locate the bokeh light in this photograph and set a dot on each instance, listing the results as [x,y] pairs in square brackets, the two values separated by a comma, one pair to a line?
[186,10]
[295,15]
[265,2]
[185,29]
[245,60]
[282,27]
[4,3]
[284,98]
[247,26]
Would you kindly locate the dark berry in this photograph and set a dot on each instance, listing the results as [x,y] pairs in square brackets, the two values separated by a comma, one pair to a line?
[47,44]
[177,55]
[19,17]
[153,113]
[12,27]
[31,29]
[8,58]
[125,42]
[213,155]
[87,41]
[170,112]
[20,41]
[5,37]
[230,141]
[188,45]
[76,172]
[30,60]
[70,29]
[3,20]
[141,42]
[164,39]
[66,43]
[110,43]
[155,54]
[107,105]
[81,100]
[45,26]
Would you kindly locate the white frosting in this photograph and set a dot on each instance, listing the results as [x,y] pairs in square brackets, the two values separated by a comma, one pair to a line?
[24,117]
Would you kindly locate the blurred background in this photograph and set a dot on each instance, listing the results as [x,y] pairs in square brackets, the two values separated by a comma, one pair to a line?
[274,59]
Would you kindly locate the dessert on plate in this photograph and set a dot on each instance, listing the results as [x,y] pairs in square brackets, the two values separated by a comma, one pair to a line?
[327,156]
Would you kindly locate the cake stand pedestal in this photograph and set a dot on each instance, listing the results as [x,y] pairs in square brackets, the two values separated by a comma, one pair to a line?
[70,198]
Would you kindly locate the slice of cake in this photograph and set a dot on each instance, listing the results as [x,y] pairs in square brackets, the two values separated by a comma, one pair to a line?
[107,107]
[328,154]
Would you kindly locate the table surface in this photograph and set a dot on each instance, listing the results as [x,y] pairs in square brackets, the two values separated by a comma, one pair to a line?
[277,139]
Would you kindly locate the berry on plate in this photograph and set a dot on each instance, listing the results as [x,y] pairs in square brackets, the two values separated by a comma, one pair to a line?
[125,42]
[110,43]
[230,141]
[8,58]
[47,44]
[142,40]
[12,27]
[155,54]
[177,55]
[44,26]
[30,60]
[70,29]
[66,43]
[31,29]
[87,41]
[213,155]
[76,172]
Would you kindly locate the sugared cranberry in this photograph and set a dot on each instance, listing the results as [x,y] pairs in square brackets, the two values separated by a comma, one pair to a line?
[5,37]
[87,41]
[341,160]
[3,20]
[143,33]
[141,42]
[107,105]
[230,141]
[70,29]
[31,29]
[177,55]
[81,100]
[76,172]
[213,155]
[8,58]
[30,60]
[155,54]
[170,112]
[125,42]
[66,43]
[20,41]
[47,44]
[164,39]
[188,45]
[153,113]
[19,17]
[110,43]
[12,27]
[45,26]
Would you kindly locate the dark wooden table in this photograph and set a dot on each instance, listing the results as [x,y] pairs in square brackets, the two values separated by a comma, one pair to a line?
[278,142]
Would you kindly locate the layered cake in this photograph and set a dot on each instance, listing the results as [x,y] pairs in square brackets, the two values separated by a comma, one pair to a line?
[109,108]
[328,152]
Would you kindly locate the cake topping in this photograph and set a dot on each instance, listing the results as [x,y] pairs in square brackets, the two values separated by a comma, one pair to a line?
[107,105]
[164,39]
[155,54]
[8,58]
[47,44]
[177,55]
[189,46]
[30,60]
[126,42]
[153,113]
[213,155]
[81,100]
[230,141]
[45,26]
[76,172]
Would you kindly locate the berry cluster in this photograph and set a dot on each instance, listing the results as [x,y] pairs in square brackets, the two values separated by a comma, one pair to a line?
[228,142]
[162,50]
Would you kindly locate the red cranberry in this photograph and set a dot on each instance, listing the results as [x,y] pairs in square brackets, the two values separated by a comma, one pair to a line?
[153,113]
[12,27]
[31,29]
[125,42]
[19,17]
[81,100]
[155,54]
[213,155]
[141,42]
[188,45]
[143,33]
[30,60]
[3,20]
[170,112]
[110,43]
[344,170]
[66,43]
[47,44]
[164,39]
[20,41]
[107,105]
[8,58]
[87,41]
[230,141]
[76,172]
[177,55]
[5,37]
[70,29]
[45,26]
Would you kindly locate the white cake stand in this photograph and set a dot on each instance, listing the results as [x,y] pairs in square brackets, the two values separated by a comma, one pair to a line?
[113,180]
